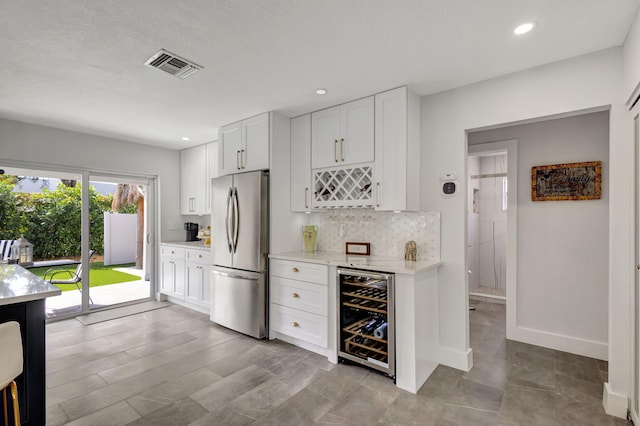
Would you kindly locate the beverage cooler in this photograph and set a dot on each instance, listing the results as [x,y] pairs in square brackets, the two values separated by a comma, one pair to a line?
[366,319]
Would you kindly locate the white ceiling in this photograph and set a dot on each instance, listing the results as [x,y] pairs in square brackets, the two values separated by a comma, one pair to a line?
[78,64]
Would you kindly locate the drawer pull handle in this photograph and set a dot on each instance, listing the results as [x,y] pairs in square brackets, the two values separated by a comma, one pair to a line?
[296,270]
[295,324]
[295,295]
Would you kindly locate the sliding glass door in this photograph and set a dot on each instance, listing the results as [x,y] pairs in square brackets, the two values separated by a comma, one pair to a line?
[91,233]
[118,253]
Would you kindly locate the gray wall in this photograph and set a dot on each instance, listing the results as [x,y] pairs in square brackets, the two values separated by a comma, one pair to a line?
[43,146]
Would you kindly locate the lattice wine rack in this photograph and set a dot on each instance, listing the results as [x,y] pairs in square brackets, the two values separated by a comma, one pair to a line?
[352,187]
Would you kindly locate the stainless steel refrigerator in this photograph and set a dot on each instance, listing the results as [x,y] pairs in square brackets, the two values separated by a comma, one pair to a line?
[240,241]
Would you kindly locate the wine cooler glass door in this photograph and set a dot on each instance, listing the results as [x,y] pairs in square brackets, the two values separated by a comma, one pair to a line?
[366,319]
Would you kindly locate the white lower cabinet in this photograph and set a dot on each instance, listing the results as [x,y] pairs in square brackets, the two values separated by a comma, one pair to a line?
[300,324]
[185,275]
[172,271]
[198,279]
[299,303]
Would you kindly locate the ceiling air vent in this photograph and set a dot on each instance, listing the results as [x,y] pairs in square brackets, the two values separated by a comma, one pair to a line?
[172,64]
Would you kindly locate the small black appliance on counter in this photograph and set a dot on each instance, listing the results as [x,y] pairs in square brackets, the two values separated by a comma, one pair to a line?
[192,231]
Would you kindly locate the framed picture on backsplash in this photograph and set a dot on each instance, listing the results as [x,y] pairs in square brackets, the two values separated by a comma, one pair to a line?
[358,248]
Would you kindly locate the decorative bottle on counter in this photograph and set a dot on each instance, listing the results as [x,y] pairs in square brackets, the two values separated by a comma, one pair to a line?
[309,235]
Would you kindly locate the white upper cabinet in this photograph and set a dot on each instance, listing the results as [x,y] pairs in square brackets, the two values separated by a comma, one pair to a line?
[301,163]
[194,163]
[343,134]
[397,150]
[213,159]
[229,143]
[255,138]
[212,172]
[244,146]
[325,137]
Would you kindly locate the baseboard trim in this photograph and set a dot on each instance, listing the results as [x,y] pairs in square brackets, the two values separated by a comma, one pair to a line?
[560,342]
[187,305]
[461,360]
[301,343]
[615,404]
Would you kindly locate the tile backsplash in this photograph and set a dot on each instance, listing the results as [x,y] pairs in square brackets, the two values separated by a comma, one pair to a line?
[386,231]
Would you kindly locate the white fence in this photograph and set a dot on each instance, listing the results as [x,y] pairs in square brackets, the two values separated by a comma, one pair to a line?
[120,231]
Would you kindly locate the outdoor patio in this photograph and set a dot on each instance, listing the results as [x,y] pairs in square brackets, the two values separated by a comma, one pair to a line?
[69,301]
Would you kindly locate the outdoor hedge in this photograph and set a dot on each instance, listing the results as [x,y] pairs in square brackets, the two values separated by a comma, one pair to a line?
[50,220]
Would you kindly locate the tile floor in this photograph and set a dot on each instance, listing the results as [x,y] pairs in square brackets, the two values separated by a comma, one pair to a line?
[172,366]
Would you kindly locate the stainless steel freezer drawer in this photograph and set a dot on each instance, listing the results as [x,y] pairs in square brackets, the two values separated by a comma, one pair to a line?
[238,300]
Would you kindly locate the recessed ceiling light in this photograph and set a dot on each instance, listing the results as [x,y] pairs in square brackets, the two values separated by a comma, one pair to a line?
[184,138]
[524,28]
[321,91]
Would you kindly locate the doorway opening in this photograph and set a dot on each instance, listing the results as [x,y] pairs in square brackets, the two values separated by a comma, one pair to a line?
[487,226]
[122,238]
[492,182]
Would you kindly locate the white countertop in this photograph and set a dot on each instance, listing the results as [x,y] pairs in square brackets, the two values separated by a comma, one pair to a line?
[18,285]
[188,244]
[373,263]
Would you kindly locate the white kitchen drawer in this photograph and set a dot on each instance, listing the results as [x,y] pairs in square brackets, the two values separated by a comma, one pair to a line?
[310,272]
[308,297]
[199,256]
[172,251]
[301,325]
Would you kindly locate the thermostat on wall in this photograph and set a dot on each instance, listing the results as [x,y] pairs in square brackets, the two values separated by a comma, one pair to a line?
[448,183]
[448,188]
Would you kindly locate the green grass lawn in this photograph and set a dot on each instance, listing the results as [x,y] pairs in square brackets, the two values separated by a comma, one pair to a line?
[99,274]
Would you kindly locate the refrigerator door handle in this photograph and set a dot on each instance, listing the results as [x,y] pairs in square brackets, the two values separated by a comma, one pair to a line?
[236,219]
[236,275]
[229,244]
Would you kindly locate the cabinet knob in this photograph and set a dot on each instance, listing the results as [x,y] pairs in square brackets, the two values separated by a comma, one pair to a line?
[173,252]
[295,324]
[200,256]
[295,295]
[296,270]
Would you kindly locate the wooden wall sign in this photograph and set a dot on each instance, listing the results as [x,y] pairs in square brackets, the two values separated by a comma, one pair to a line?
[571,181]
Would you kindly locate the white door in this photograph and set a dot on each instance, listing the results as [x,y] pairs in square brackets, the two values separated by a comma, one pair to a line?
[179,275]
[187,181]
[255,141]
[167,275]
[193,285]
[325,136]
[391,151]
[200,163]
[301,163]
[229,142]
[635,403]
[193,180]
[357,138]
[205,300]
